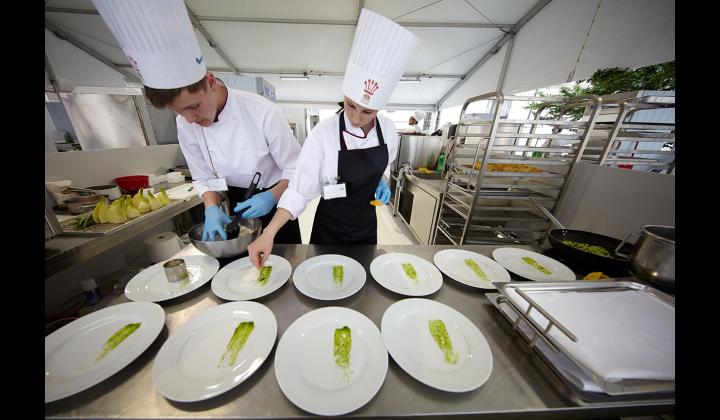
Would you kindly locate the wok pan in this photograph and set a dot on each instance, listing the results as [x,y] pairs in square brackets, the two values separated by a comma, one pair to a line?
[557,236]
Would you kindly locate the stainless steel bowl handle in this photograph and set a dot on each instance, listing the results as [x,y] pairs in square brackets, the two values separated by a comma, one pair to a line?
[617,250]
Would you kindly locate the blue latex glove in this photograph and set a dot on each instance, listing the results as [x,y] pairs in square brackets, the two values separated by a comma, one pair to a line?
[382,192]
[214,220]
[257,205]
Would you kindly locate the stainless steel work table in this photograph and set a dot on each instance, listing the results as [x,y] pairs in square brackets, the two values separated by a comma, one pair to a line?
[520,385]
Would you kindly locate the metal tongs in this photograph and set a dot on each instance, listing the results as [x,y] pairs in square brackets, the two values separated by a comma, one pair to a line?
[233,228]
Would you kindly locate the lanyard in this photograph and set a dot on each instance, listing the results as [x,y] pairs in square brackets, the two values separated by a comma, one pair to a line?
[202,130]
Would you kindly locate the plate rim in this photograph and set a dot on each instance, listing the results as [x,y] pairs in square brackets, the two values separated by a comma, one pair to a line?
[374,263]
[385,362]
[200,317]
[215,284]
[352,261]
[214,266]
[147,309]
[488,260]
[499,250]
[403,365]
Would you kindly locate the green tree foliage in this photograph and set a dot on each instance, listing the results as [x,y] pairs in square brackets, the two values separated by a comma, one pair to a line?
[609,81]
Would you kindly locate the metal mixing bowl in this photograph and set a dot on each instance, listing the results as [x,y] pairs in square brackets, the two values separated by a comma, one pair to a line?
[231,247]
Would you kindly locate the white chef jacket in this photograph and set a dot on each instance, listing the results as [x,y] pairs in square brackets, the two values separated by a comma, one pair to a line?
[251,135]
[318,162]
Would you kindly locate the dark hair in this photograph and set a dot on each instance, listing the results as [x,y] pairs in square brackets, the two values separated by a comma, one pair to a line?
[160,98]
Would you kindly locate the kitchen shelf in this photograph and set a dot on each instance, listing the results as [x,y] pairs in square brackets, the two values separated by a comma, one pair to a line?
[492,204]
[626,137]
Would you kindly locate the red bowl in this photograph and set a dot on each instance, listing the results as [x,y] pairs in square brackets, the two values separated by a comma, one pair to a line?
[132,183]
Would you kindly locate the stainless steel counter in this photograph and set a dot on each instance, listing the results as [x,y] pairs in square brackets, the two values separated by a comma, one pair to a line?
[71,250]
[520,385]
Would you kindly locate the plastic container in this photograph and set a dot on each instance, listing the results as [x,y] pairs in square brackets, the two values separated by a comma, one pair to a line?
[89,287]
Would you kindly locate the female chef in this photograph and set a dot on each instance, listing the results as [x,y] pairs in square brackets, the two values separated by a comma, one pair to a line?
[346,158]
[226,135]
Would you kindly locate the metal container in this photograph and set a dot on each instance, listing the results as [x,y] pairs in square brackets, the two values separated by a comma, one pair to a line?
[419,151]
[82,204]
[175,270]
[112,191]
[231,247]
[653,256]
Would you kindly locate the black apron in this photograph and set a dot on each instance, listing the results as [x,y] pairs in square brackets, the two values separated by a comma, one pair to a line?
[352,219]
[288,234]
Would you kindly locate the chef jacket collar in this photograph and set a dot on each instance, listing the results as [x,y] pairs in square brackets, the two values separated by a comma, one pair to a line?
[230,111]
[356,131]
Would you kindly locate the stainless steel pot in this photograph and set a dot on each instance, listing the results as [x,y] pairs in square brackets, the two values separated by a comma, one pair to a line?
[82,203]
[653,256]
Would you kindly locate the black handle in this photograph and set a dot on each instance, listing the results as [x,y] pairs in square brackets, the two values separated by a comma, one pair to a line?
[253,184]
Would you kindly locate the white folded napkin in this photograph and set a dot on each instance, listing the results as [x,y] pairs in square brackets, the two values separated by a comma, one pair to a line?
[621,334]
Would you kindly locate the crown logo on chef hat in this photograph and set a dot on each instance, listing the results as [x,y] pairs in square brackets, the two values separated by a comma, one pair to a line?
[370,87]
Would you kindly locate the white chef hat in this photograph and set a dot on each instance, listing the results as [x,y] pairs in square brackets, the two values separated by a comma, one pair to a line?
[157,38]
[418,115]
[377,59]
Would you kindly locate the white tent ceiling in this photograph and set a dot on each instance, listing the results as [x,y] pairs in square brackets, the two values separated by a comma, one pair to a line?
[273,37]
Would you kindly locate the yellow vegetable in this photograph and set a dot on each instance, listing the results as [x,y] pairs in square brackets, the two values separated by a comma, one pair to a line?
[597,275]
[163,197]
[153,202]
[376,203]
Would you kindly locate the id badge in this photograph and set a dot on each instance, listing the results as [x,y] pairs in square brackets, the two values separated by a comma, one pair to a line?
[334,191]
[217,184]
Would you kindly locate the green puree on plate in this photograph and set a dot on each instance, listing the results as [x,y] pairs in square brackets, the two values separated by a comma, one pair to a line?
[536,264]
[236,343]
[117,338]
[341,349]
[264,275]
[440,334]
[338,274]
[410,271]
[476,268]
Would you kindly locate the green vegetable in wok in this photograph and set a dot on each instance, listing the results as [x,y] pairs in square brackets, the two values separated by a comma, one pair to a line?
[592,249]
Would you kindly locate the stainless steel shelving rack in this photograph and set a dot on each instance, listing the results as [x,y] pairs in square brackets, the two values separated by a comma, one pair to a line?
[492,204]
[627,135]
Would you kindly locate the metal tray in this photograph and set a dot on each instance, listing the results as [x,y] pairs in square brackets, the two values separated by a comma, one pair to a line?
[569,376]
[628,387]
[106,228]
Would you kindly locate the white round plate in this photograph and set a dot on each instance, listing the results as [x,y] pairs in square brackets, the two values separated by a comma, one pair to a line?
[406,334]
[314,277]
[196,362]
[151,285]
[73,353]
[452,263]
[305,365]
[238,280]
[388,271]
[511,258]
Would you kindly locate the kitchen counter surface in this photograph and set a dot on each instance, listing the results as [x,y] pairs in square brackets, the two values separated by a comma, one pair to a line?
[520,385]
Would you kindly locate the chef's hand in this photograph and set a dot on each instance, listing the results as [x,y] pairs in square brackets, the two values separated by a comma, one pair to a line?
[214,220]
[382,192]
[257,205]
[261,249]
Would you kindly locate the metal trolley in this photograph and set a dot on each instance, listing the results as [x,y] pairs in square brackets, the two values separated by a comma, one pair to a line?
[496,166]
